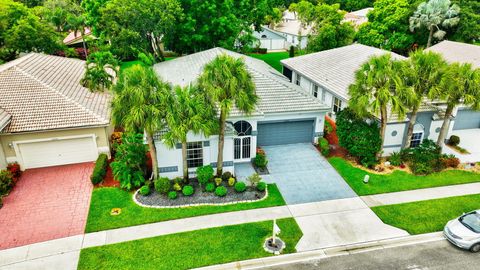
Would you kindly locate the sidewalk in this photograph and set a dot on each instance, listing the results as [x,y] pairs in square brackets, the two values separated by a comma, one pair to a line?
[421,194]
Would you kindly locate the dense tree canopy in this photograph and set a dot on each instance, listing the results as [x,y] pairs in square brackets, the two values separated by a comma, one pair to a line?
[468,29]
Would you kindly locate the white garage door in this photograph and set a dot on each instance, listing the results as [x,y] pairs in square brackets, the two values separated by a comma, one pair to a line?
[57,152]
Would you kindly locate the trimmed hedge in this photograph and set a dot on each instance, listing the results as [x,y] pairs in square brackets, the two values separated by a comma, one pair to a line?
[100,169]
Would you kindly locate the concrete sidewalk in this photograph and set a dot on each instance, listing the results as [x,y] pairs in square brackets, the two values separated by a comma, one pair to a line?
[421,194]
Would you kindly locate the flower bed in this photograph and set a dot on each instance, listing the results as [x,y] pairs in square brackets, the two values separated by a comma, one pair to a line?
[200,197]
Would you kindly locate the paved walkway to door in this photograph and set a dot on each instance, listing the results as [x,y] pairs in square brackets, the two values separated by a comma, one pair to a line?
[46,204]
[303,175]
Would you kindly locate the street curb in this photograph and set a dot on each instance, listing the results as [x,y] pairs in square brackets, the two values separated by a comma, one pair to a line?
[329,252]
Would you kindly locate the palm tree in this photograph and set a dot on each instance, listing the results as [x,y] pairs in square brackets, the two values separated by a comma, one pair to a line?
[433,14]
[421,75]
[459,85]
[101,71]
[76,23]
[227,83]
[139,104]
[187,111]
[375,90]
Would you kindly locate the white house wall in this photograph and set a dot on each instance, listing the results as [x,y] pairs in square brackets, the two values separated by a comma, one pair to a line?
[394,137]
[3,161]
[273,44]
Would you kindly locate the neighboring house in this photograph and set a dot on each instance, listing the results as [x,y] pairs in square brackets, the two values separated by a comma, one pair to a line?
[46,117]
[357,17]
[284,115]
[270,39]
[74,39]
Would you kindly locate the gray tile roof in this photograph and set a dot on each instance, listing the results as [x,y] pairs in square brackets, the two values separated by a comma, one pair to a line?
[334,69]
[42,92]
[458,52]
[276,94]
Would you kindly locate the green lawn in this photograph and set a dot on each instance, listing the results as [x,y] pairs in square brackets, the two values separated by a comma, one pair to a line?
[273,59]
[104,199]
[191,249]
[398,180]
[427,216]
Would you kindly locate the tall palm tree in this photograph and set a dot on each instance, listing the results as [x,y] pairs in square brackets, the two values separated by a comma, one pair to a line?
[101,71]
[375,90]
[139,104]
[187,111]
[459,85]
[421,75]
[433,14]
[228,83]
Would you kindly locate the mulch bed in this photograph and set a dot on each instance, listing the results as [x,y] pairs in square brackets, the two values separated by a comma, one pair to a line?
[109,181]
[200,197]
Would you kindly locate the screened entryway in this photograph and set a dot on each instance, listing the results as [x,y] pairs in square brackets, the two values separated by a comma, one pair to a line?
[243,142]
[290,132]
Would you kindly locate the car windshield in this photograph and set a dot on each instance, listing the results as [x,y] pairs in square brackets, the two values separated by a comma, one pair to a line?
[471,221]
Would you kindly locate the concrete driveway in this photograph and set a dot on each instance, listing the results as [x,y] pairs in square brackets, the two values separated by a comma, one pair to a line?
[46,204]
[303,175]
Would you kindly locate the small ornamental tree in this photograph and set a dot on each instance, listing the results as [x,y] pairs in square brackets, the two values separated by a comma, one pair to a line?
[359,136]
[130,161]
[204,174]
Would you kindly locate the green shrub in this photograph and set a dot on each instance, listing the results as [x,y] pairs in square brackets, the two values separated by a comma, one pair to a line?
[6,182]
[204,174]
[240,187]
[100,170]
[425,158]
[162,185]
[145,190]
[454,140]
[172,195]
[261,186]
[1,202]
[210,187]
[231,181]
[226,176]
[130,161]
[261,160]
[291,51]
[254,179]
[218,181]
[188,190]
[221,191]
[177,187]
[395,159]
[324,147]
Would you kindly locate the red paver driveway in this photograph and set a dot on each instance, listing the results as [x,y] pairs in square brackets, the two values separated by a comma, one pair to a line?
[46,204]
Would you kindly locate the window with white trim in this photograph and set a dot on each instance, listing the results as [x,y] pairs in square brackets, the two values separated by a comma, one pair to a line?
[337,105]
[315,90]
[194,154]
[298,79]
[416,139]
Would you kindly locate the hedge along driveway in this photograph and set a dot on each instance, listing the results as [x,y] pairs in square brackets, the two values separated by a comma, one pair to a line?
[104,199]
[398,180]
[191,249]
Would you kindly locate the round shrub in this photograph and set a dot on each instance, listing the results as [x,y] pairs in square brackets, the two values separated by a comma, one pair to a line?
[221,191]
[210,187]
[218,181]
[231,181]
[226,176]
[172,195]
[188,190]
[177,187]
[145,190]
[162,185]
[204,174]
[240,187]
[454,140]
[261,186]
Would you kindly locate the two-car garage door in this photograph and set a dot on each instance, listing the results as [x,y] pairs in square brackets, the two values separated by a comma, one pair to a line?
[57,151]
[290,132]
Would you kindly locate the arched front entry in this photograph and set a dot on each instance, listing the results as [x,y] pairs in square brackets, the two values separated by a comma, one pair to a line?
[243,140]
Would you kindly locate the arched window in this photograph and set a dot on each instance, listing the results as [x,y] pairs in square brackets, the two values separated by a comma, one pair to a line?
[264,36]
[243,128]
[417,135]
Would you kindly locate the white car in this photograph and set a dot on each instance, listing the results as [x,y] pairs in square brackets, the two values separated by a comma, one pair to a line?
[464,232]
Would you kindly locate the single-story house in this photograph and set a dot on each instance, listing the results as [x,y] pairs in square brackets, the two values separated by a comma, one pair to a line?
[47,117]
[357,17]
[271,39]
[328,74]
[285,114]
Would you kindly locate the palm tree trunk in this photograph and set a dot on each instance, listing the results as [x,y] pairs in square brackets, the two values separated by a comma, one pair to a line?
[411,124]
[383,126]
[445,126]
[184,158]
[221,141]
[153,155]
[430,35]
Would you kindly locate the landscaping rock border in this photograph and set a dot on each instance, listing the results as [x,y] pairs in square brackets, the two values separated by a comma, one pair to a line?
[137,198]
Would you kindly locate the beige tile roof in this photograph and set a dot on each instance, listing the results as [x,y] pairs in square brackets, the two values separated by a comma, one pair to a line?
[458,52]
[42,92]
[4,119]
[276,93]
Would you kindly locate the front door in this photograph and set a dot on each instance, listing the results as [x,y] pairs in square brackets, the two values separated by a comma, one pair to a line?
[242,148]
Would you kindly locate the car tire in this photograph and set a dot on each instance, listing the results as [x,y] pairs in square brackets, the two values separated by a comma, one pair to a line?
[475,248]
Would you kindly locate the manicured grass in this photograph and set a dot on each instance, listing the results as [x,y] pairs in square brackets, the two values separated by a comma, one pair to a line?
[398,180]
[191,249]
[427,216]
[273,59]
[129,64]
[104,199]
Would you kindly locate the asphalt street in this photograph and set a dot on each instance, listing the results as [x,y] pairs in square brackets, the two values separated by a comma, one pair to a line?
[433,255]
